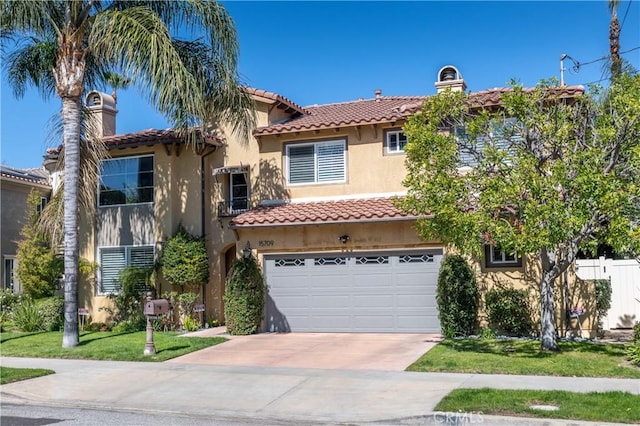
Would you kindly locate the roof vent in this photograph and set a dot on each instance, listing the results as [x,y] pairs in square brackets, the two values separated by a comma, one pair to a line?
[378,94]
[450,77]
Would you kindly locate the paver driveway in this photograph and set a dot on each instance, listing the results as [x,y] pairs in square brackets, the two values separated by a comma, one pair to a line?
[348,351]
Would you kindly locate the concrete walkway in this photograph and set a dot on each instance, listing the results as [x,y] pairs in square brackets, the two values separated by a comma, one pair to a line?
[270,394]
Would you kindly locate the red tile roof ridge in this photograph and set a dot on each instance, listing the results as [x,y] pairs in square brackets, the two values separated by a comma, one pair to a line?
[353,101]
[275,97]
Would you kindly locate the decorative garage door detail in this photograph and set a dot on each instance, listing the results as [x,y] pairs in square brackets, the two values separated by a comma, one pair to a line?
[353,292]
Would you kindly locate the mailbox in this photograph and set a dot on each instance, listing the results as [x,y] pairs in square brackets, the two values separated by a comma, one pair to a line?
[156,307]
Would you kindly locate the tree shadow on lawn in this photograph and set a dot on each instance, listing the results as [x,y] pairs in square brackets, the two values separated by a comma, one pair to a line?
[531,348]
[89,336]
[5,337]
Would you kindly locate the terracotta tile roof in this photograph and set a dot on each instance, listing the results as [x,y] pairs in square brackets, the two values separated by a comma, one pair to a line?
[285,103]
[355,210]
[150,136]
[366,111]
[34,176]
[142,137]
[384,109]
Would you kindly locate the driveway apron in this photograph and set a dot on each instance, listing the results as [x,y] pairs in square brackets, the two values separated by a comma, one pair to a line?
[348,351]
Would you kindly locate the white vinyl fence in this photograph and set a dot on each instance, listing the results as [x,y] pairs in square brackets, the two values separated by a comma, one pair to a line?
[625,288]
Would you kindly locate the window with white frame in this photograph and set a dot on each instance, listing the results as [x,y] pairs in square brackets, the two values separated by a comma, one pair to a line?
[317,162]
[497,258]
[500,134]
[114,259]
[9,278]
[126,181]
[395,141]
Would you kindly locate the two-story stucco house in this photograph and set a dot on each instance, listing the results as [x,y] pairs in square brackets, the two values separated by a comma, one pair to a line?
[310,194]
[15,187]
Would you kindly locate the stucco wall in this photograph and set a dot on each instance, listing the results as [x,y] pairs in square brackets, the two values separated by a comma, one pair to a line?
[13,201]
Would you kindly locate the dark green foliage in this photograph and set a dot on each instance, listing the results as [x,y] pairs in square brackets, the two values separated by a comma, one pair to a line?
[26,317]
[244,297]
[185,260]
[8,300]
[128,302]
[39,269]
[52,312]
[603,299]
[457,297]
[633,351]
[508,311]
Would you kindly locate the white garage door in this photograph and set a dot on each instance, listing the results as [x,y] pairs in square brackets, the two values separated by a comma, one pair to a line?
[353,292]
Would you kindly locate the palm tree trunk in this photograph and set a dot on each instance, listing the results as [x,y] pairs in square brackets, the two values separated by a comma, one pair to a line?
[614,42]
[71,119]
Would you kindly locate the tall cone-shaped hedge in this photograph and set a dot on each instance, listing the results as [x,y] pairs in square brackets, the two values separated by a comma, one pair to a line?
[244,297]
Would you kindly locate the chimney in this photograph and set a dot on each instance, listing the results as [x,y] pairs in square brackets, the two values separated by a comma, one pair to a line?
[378,94]
[450,77]
[103,112]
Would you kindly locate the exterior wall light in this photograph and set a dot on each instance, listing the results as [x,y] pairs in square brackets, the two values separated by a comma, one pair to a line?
[246,251]
[344,238]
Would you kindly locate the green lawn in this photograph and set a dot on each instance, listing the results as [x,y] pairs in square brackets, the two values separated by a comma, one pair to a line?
[103,345]
[607,407]
[581,359]
[8,374]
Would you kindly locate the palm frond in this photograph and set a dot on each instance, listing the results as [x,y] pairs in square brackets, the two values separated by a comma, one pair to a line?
[31,64]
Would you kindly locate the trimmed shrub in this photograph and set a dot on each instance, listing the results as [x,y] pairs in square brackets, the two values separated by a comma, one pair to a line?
[457,297]
[185,260]
[8,300]
[603,300]
[244,297]
[26,317]
[52,312]
[508,311]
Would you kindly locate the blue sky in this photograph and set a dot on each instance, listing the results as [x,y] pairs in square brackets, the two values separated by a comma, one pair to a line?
[325,52]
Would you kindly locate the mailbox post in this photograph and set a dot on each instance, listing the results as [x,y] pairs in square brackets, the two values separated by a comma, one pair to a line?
[152,309]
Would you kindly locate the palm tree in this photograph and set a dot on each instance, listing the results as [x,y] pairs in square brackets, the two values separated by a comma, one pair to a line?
[614,40]
[75,43]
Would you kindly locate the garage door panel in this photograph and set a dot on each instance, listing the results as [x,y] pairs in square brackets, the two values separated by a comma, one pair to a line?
[356,292]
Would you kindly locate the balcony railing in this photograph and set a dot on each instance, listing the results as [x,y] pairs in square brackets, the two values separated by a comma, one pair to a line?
[233,207]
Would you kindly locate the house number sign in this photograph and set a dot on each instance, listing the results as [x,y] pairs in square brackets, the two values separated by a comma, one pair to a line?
[265,243]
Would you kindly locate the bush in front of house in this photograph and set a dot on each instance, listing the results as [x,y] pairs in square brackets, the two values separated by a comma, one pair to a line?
[509,311]
[457,297]
[129,300]
[185,260]
[52,312]
[26,317]
[244,297]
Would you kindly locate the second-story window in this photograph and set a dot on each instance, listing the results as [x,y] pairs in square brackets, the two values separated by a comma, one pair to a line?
[317,162]
[126,181]
[239,196]
[395,141]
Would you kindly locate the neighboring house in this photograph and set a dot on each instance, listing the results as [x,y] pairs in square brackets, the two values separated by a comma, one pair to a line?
[310,193]
[15,186]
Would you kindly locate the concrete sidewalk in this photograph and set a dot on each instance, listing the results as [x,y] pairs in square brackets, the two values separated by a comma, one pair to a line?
[289,394]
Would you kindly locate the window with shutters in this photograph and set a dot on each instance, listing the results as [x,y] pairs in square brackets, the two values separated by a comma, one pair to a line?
[317,162]
[114,259]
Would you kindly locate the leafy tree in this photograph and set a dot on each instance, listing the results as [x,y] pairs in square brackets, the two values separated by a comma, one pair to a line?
[66,46]
[544,174]
[39,268]
[185,260]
